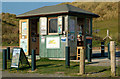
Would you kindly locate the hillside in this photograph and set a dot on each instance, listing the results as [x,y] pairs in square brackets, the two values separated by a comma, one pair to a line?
[108,19]
[9,29]
[106,10]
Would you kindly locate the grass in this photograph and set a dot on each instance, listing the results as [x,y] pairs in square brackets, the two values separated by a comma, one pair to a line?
[0,60]
[6,44]
[111,25]
[46,66]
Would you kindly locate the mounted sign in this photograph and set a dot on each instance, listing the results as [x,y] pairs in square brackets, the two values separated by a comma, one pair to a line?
[23,44]
[63,39]
[53,42]
[24,28]
[24,35]
[17,57]
[60,24]
[43,26]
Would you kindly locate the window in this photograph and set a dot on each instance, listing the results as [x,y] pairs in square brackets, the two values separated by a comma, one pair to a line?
[52,25]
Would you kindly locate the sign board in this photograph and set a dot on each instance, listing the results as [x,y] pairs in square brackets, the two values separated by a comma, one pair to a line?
[23,44]
[53,42]
[63,39]
[24,35]
[24,28]
[43,26]
[42,39]
[60,24]
[17,57]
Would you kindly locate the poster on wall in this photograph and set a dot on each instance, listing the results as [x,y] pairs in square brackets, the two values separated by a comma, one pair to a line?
[23,44]
[24,28]
[42,39]
[43,25]
[53,42]
[60,24]
[15,58]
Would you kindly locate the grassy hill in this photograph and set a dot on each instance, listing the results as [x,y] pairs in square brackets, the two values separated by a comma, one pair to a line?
[108,19]
[9,29]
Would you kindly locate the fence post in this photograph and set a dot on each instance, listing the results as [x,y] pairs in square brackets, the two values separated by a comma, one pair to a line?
[8,53]
[4,59]
[108,50]
[113,60]
[102,49]
[82,61]
[89,52]
[33,58]
[67,56]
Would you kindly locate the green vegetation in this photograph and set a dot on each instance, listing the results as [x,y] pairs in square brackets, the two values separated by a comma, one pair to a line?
[108,19]
[9,29]
[46,66]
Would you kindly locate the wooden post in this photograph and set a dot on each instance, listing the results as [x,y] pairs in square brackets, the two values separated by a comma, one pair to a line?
[113,60]
[82,61]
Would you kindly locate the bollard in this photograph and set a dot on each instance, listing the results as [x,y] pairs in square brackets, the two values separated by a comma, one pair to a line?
[102,49]
[4,59]
[108,50]
[33,58]
[8,53]
[89,52]
[113,60]
[67,56]
[82,61]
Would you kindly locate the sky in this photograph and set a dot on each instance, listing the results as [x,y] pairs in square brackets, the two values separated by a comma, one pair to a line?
[22,7]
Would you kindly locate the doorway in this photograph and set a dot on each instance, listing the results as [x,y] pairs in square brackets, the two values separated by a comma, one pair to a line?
[34,35]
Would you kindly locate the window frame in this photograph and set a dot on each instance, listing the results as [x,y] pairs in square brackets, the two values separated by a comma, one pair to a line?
[49,25]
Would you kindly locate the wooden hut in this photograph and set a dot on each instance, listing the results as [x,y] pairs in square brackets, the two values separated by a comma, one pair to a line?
[50,29]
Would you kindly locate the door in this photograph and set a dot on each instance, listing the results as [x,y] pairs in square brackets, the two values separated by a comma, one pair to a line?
[24,35]
[34,35]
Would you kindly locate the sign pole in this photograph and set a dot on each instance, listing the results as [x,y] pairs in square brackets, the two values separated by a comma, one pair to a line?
[4,59]
[108,50]
[8,53]
[67,56]
[113,60]
[102,49]
[33,60]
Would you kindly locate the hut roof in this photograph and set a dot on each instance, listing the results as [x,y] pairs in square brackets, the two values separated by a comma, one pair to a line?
[57,9]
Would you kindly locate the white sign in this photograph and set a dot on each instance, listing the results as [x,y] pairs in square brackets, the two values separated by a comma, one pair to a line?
[24,28]
[15,58]
[53,42]
[23,44]
[42,39]
[43,25]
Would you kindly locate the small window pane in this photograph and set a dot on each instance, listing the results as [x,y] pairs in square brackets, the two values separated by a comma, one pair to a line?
[53,26]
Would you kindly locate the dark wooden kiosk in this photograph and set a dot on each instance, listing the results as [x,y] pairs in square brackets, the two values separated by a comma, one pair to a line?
[50,29]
